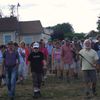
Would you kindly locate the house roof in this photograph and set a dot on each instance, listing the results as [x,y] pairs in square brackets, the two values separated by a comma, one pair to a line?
[8,24]
[30,27]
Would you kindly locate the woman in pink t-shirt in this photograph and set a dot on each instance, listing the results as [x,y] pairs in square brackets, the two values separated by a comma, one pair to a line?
[67,59]
[56,60]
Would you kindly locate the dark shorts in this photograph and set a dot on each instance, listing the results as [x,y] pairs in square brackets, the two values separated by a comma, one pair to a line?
[90,76]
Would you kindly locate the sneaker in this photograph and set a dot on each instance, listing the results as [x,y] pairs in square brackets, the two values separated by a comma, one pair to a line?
[87,93]
[37,94]
[95,94]
[11,98]
[61,77]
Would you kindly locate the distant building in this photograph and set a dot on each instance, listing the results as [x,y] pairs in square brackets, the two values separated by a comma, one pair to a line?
[47,34]
[91,34]
[13,30]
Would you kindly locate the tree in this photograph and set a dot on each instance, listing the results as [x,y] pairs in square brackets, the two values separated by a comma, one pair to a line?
[61,29]
[98,23]
[12,10]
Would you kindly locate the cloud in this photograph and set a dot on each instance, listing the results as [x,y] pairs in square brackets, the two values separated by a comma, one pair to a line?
[94,2]
[23,6]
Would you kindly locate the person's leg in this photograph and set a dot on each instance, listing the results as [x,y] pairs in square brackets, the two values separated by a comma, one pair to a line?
[21,72]
[75,69]
[49,64]
[25,71]
[39,78]
[55,69]
[35,84]
[61,70]
[71,70]
[87,82]
[94,80]
[0,83]
[67,68]
[8,81]
[13,81]
[98,70]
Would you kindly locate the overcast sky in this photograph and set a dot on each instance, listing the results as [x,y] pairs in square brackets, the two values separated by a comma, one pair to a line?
[81,14]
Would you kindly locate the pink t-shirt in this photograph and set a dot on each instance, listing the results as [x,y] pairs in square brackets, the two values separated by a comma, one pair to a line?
[57,54]
[67,54]
[44,51]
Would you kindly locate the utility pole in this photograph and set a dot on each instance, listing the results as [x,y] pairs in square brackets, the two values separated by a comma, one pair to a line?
[1,13]
[18,5]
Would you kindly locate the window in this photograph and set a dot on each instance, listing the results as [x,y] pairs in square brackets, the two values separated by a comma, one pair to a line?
[7,38]
[28,39]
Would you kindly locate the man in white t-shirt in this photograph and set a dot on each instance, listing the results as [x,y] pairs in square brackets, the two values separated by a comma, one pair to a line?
[89,59]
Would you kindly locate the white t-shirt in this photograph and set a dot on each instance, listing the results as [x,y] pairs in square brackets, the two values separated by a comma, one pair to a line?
[91,56]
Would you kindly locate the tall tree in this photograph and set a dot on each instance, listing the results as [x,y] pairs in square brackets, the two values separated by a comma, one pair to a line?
[98,23]
[61,29]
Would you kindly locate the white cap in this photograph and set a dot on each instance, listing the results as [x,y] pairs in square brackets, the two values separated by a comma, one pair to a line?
[36,45]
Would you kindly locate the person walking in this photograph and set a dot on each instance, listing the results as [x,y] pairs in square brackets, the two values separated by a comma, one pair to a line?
[89,59]
[56,61]
[97,49]
[37,62]
[1,59]
[10,64]
[76,48]
[67,59]
[44,50]
[23,66]
[49,47]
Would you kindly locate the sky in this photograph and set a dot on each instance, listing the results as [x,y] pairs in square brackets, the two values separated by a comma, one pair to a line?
[81,14]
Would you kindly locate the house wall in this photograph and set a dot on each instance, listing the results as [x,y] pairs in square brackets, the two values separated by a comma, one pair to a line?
[33,37]
[1,38]
[45,37]
[3,34]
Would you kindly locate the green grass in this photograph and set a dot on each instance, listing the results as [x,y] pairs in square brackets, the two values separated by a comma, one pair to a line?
[54,89]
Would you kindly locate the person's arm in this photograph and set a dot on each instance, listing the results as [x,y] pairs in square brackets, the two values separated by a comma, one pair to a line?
[96,57]
[3,65]
[29,64]
[62,54]
[44,64]
[17,59]
[52,57]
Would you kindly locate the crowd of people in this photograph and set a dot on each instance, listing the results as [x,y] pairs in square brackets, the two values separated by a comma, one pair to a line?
[63,58]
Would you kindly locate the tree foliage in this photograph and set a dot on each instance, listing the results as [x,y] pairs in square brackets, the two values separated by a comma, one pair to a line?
[98,23]
[61,29]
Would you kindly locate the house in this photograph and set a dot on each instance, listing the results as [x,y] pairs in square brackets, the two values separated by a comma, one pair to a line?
[8,29]
[13,30]
[30,31]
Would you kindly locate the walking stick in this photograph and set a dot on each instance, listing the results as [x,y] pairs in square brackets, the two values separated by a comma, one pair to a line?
[86,60]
